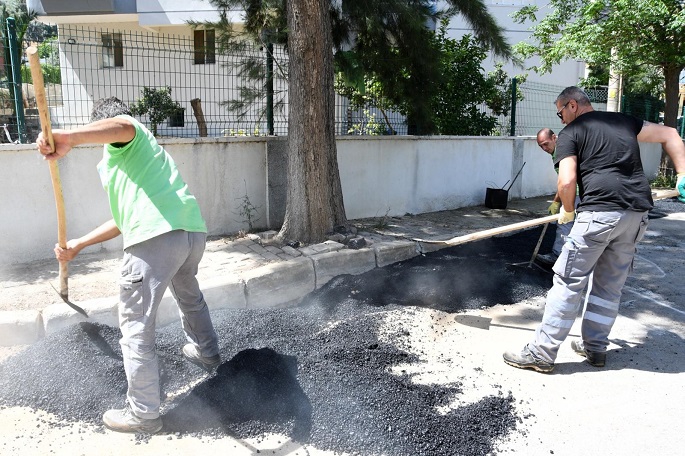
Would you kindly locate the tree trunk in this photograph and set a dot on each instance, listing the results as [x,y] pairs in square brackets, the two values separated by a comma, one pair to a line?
[314,204]
[672,77]
[614,95]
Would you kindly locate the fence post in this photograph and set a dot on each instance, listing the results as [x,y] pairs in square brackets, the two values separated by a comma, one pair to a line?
[512,129]
[16,79]
[270,88]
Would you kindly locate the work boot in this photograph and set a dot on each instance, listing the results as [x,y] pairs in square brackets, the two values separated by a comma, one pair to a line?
[597,359]
[526,360]
[124,420]
[192,354]
[547,259]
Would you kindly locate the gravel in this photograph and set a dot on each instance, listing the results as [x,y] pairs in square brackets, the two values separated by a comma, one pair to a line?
[323,373]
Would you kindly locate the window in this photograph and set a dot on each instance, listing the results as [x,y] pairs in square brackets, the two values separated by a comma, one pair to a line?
[177,118]
[204,46]
[112,50]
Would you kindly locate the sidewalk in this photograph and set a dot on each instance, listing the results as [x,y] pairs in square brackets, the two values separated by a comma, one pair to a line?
[248,272]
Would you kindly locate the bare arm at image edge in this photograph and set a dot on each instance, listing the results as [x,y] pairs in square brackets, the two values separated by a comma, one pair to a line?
[669,139]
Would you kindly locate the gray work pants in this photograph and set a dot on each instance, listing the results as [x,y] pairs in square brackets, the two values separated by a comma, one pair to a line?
[169,260]
[601,245]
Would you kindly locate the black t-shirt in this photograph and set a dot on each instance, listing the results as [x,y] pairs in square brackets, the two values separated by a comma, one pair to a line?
[610,174]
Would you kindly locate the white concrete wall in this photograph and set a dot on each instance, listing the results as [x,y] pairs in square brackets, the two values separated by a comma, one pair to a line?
[218,172]
[394,175]
[419,174]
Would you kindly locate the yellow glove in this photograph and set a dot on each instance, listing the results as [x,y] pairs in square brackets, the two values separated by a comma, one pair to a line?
[566,217]
[554,208]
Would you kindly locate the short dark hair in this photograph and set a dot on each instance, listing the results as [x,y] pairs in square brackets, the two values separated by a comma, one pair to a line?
[573,93]
[107,108]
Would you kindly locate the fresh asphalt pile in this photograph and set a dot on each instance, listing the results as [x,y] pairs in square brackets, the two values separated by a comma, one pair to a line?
[319,373]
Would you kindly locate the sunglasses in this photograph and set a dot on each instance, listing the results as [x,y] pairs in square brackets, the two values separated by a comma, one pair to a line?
[562,108]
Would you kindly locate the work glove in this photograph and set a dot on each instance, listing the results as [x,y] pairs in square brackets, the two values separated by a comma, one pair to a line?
[565,217]
[680,186]
[554,208]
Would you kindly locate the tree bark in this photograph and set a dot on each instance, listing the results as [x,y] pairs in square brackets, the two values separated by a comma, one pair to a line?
[672,77]
[314,204]
[614,95]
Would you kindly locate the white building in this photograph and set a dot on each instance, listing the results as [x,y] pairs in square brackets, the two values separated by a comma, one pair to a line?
[109,47]
[565,74]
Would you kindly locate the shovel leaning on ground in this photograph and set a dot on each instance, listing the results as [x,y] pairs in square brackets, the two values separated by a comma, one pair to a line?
[44,114]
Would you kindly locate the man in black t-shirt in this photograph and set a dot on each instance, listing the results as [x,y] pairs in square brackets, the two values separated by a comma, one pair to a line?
[547,141]
[598,151]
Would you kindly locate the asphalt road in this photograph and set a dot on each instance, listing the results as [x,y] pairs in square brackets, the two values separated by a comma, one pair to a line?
[404,359]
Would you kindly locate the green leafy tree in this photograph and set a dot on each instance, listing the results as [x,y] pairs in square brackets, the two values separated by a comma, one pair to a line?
[466,87]
[365,97]
[22,18]
[386,38]
[389,42]
[623,34]
[157,104]
[463,89]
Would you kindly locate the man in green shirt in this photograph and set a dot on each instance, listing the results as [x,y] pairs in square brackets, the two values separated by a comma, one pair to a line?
[164,240]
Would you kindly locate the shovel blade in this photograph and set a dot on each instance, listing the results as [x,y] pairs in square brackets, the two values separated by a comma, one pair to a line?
[69,303]
[474,321]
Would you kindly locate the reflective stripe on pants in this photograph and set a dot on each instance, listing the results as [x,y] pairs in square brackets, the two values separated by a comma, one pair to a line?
[601,245]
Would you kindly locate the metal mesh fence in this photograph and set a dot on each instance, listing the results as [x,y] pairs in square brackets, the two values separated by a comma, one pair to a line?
[85,64]
[537,110]
[101,63]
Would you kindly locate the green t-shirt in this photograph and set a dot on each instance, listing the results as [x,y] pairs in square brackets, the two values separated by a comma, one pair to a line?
[147,195]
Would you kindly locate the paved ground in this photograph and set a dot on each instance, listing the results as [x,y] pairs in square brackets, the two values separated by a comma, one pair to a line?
[633,406]
[94,275]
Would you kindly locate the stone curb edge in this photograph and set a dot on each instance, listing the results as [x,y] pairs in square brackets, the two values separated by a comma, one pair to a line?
[273,285]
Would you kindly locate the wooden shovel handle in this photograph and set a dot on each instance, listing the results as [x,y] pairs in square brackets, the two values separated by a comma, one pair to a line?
[44,114]
[662,194]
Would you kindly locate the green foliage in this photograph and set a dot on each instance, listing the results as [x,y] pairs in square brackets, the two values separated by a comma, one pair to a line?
[454,105]
[465,88]
[628,35]
[49,50]
[368,126]
[22,18]
[51,74]
[664,181]
[248,211]
[241,132]
[157,104]
[365,93]
[384,41]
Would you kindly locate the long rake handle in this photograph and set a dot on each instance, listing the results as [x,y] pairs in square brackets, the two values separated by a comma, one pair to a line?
[515,227]
[44,114]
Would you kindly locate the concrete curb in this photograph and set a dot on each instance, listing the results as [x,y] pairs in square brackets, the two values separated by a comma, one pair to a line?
[276,284]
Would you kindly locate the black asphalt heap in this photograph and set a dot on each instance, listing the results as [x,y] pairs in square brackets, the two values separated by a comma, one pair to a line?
[319,373]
